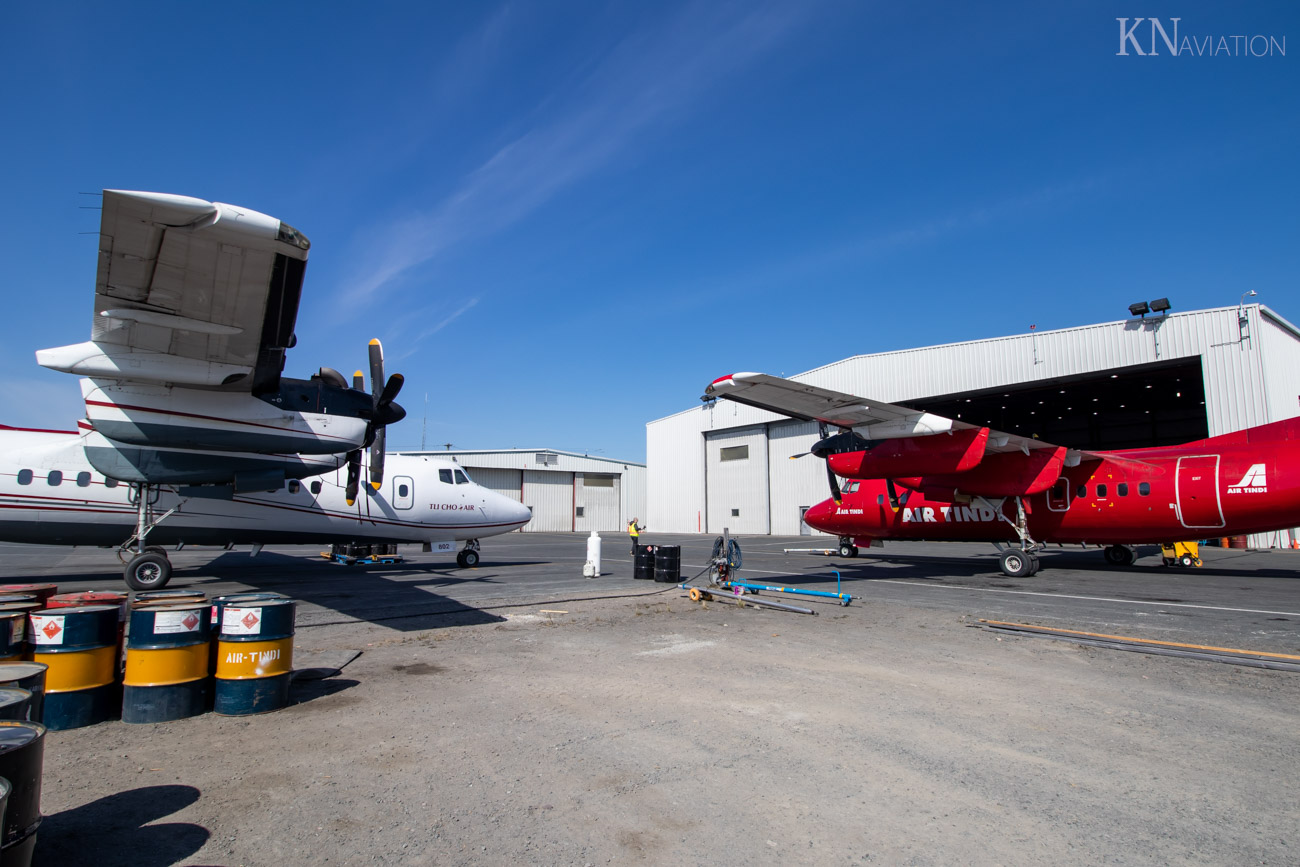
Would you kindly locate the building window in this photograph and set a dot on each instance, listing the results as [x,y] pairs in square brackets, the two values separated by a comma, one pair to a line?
[590,481]
[1101,492]
[315,487]
[547,460]
[735,513]
[83,480]
[1144,489]
[24,477]
[1122,489]
[55,478]
[735,453]
[577,512]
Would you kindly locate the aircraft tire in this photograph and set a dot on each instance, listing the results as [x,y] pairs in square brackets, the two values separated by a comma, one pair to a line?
[848,551]
[1120,555]
[467,559]
[148,571]
[1016,563]
[1187,561]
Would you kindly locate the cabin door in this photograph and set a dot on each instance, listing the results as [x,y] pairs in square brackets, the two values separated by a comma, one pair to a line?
[1196,492]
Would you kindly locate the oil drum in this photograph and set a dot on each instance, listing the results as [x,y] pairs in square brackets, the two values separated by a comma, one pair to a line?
[166,663]
[31,677]
[13,634]
[15,704]
[22,756]
[42,592]
[643,562]
[668,564]
[254,656]
[79,645]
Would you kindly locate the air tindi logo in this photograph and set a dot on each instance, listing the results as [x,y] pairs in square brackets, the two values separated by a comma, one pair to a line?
[1253,482]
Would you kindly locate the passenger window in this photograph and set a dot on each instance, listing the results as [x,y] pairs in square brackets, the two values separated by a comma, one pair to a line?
[444,476]
[403,490]
[1144,489]
[24,477]
[1101,492]
[294,486]
[461,478]
[83,480]
[315,487]
[110,483]
[1081,493]
[1122,489]
[880,499]
[55,478]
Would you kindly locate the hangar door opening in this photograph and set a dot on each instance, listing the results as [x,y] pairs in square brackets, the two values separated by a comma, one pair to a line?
[550,495]
[596,502]
[507,483]
[736,481]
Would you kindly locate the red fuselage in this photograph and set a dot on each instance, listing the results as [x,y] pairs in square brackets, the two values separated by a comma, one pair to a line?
[1238,483]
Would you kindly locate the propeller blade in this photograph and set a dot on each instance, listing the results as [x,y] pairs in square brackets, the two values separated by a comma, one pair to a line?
[376,368]
[893,494]
[391,388]
[377,459]
[358,381]
[354,476]
[836,495]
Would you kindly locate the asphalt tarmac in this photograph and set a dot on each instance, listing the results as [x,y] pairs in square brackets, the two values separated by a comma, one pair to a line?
[1238,598]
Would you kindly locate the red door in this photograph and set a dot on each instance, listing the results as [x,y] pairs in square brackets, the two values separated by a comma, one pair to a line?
[1197,491]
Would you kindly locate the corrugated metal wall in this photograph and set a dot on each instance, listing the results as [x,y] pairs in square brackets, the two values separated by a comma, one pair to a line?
[737,489]
[598,495]
[550,496]
[1242,388]
[503,481]
[795,484]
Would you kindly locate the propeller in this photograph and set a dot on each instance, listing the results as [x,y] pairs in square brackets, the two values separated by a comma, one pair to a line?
[836,494]
[383,412]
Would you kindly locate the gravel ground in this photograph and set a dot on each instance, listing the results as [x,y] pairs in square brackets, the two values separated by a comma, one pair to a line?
[661,731]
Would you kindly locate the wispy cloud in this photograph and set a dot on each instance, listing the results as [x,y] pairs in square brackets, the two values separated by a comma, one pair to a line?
[647,81]
[433,320]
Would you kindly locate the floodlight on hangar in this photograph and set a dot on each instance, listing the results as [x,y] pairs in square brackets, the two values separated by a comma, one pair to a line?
[1139,309]
[1160,305]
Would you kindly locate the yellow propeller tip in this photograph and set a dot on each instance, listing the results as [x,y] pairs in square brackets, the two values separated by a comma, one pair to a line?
[358,373]
[376,485]
[374,341]
[350,502]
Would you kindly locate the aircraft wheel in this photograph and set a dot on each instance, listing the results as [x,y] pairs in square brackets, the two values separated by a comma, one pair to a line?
[1187,561]
[1034,564]
[848,551]
[467,559]
[1120,555]
[1016,563]
[148,571]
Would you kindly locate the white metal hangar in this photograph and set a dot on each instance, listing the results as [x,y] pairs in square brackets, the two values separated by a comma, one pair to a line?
[566,491]
[1151,380]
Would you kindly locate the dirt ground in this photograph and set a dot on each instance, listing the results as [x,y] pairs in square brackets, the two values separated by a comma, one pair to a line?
[661,731]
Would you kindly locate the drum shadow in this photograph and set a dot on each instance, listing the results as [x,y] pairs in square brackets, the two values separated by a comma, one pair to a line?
[115,830]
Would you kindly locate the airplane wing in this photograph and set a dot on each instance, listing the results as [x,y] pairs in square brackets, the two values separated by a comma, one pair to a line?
[189,292]
[870,418]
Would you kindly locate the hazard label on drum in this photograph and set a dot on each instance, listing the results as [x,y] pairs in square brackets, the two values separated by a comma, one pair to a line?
[241,621]
[47,628]
[172,622]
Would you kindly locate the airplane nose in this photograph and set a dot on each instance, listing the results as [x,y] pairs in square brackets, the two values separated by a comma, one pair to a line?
[821,516]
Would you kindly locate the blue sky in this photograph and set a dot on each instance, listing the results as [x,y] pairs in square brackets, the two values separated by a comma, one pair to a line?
[564,219]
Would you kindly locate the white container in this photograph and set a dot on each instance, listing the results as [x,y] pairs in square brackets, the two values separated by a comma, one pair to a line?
[593,554]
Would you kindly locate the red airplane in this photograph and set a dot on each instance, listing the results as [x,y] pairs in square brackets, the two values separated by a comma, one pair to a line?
[961,483]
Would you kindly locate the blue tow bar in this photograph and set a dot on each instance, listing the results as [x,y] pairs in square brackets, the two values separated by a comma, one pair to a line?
[844,598]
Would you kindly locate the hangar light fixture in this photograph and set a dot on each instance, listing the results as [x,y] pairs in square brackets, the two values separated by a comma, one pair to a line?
[1139,309]
[1160,305]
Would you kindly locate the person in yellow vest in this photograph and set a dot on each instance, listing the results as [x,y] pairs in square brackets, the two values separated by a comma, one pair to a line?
[634,532]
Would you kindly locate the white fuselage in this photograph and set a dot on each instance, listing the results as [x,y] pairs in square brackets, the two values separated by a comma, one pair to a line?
[50,494]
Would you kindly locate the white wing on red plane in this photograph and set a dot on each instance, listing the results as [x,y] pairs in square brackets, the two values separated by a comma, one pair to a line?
[189,292]
[870,418]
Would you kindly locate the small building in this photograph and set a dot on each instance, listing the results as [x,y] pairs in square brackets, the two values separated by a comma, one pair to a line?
[567,492]
[1148,380]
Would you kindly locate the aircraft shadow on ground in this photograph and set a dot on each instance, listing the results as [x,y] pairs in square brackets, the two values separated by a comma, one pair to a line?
[117,829]
[395,594]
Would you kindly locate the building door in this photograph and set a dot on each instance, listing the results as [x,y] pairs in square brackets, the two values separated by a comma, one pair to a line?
[804,529]
[1196,492]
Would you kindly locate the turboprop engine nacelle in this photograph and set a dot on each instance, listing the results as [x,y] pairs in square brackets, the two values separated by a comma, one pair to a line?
[955,452]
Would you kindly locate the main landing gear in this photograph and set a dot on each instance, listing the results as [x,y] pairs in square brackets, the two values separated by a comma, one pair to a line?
[147,567]
[1017,562]
[468,557]
[1120,555]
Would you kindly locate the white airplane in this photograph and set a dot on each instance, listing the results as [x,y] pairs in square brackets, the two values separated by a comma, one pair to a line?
[192,436]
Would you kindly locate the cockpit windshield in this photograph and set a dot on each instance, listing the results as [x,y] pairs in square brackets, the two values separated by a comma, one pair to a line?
[461,478]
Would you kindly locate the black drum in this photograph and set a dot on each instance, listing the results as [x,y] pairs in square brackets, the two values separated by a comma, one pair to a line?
[643,563]
[668,564]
